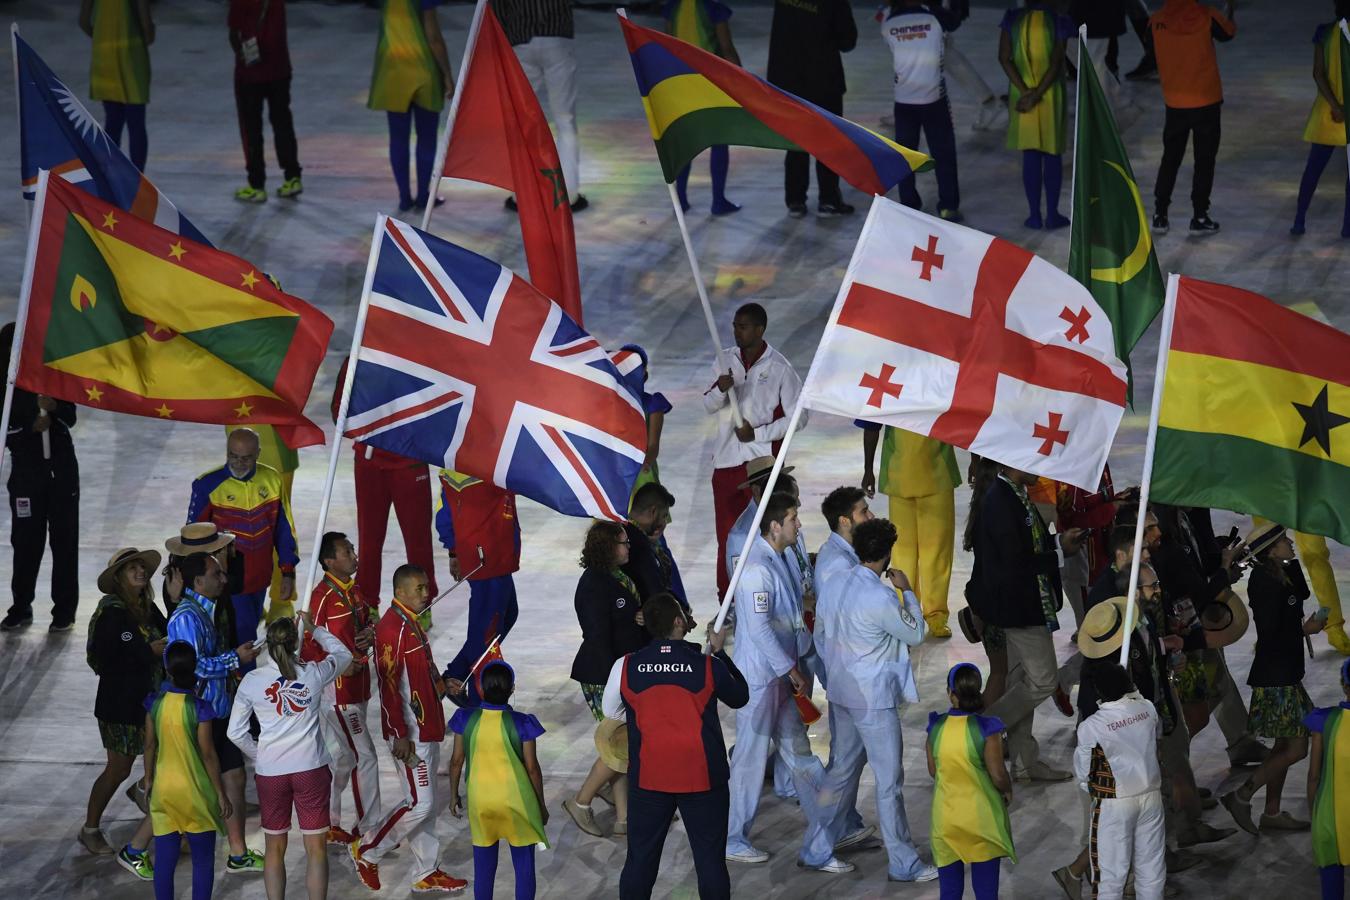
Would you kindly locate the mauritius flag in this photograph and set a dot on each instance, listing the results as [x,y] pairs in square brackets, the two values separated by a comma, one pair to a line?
[1255,404]
[126,316]
[695,100]
[1110,248]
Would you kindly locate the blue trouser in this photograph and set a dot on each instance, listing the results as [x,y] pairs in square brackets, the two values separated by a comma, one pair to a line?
[1318,157]
[935,120]
[770,715]
[1042,169]
[705,823]
[248,614]
[485,871]
[719,162]
[983,880]
[203,847]
[860,736]
[400,128]
[492,613]
[132,116]
[1333,882]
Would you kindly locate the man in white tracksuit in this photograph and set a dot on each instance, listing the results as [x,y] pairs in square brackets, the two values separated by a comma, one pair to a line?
[771,638]
[1116,762]
[864,638]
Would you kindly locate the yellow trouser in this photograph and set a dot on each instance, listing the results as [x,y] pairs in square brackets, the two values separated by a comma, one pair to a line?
[1312,549]
[276,607]
[926,529]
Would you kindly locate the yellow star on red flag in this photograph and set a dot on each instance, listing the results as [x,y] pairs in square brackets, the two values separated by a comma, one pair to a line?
[95,395]
[250,280]
[164,411]
[109,221]
[176,250]
[243,410]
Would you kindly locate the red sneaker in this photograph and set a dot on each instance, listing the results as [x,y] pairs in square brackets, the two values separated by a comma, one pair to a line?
[339,835]
[439,882]
[367,872]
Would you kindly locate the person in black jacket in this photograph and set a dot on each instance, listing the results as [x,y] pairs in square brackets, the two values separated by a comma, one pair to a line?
[1276,593]
[650,563]
[609,608]
[44,501]
[1015,582]
[805,43]
[126,644]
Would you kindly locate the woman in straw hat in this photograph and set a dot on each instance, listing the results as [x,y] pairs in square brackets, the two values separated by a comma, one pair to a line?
[1279,704]
[608,605]
[126,643]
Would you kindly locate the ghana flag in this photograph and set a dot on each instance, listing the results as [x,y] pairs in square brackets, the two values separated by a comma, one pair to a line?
[129,317]
[696,100]
[1254,404]
[1110,248]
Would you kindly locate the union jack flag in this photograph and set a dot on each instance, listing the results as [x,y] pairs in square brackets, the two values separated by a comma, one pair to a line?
[58,134]
[466,366]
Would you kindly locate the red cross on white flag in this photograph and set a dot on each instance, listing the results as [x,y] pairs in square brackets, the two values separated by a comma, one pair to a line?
[999,352]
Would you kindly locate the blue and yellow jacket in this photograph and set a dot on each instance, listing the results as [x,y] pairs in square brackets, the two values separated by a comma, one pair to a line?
[256,510]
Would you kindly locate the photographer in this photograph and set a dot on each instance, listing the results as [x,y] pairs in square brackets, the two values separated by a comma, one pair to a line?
[1279,703]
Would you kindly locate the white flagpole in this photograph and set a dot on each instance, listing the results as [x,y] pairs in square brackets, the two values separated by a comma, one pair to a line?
[21,317]
[792,423]
[722,364]
[1077,121]
[358,332]
[443,147]
[18,111]
[1159,378]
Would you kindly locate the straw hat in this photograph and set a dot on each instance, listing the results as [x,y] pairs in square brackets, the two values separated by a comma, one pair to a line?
[611,739]
[970,627]
[1104,628]
[1225,619]
[758,470]
[107,579]
[198,537]
[1262,536]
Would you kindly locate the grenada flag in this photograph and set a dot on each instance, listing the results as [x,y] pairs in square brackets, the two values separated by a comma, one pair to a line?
[127,316]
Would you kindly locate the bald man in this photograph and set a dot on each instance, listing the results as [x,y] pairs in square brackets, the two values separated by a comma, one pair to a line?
[248,499]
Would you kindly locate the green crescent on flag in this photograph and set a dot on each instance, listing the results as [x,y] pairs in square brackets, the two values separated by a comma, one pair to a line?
[1110,248]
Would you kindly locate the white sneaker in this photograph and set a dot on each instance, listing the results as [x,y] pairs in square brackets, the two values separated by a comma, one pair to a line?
[749,855]
[833,866]
[857,837]
[927,873]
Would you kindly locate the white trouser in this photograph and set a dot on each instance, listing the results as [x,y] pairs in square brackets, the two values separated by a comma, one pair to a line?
[770,714]
[1128,831]
[551,65]
[353,755]
[955,64]
[413,822]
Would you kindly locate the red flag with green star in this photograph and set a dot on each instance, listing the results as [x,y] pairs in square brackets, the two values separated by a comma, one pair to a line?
[501,137]
[126,316]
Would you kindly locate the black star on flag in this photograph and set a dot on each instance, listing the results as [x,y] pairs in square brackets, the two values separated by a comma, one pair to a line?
[1318,420]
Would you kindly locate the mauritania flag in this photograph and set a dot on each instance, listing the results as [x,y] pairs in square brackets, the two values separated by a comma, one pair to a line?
[133,318]
[1110,249]
[695,100]
[1255,402]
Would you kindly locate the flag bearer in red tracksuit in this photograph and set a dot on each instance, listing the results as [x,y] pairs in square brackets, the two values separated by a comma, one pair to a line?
[385,479]
[248,499]
[413,722]
[338,606]
[477,523]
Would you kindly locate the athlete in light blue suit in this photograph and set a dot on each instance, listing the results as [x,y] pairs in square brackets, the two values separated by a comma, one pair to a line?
[864,638]
[770,640]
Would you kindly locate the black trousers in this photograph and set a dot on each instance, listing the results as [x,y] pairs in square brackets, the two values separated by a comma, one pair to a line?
[248,101]
[44,506]
[797,169]
[1202,125]
[705,820]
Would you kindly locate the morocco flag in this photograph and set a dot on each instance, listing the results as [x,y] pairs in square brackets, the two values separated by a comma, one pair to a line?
[501,137]
[1110,248]
[1255,404]
[126,316]
[944,331]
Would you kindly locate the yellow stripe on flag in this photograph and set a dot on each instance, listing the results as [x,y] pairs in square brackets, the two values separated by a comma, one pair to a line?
[680,95]
[173,369]
[161,290]
[1217,395]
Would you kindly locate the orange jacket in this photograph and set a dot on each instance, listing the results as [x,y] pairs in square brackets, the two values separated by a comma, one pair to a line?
[1184,32]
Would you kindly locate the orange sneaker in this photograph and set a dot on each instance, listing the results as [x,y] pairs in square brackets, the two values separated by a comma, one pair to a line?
[439,882]
[367,872]
[339,835]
